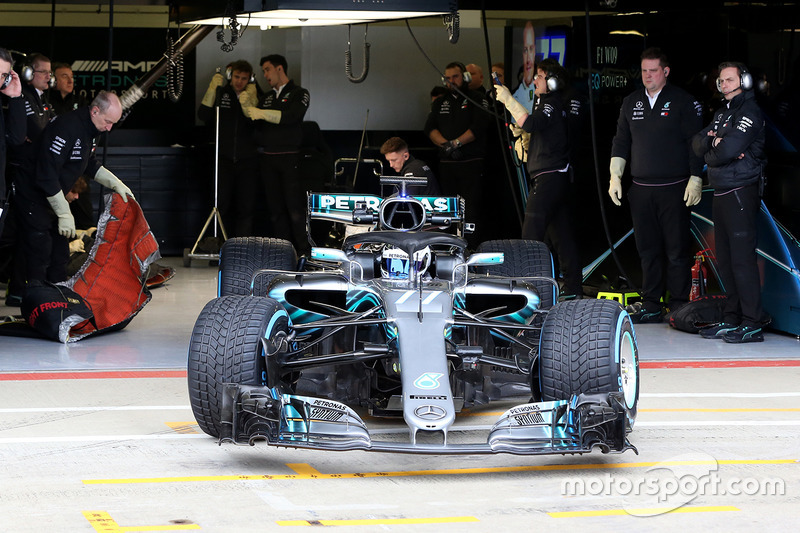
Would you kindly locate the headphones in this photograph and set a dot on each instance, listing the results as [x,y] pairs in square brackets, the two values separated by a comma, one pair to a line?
[27,72]
[554,83]
[745,78]
[229,75]
[464,73]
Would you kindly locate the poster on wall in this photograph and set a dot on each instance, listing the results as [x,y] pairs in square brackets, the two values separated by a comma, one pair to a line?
[135,52]
[532,43]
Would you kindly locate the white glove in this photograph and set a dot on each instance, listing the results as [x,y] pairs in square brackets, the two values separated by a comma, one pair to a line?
[66,222]
[694,191]
[218,80]
[107,179]
[516,109]
[89,232]
[252,92]
[76,246]
[617,167]
[521,145]
[516,131]
[254,113]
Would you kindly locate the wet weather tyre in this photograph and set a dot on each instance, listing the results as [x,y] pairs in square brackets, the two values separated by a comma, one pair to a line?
[226,347]
[242,257]
[523,258]
[589,346]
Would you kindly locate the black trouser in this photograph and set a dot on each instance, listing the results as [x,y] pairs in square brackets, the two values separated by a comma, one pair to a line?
[236,194]
[464,178]
[548,213]
[661,228]
[46,252]
[736,235]
[286,199]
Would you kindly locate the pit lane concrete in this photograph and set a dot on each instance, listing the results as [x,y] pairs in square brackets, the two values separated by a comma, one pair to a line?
[99,437]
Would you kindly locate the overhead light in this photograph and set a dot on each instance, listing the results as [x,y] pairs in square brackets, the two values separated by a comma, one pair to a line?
[285,13]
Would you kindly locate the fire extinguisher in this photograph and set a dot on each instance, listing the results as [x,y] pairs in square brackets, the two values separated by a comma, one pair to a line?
[699,277]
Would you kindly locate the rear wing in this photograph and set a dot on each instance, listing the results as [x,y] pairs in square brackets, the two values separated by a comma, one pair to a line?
[361,209]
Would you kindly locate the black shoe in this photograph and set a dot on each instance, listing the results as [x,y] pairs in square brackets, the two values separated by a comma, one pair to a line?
[640,315]
[744,334]
[13,300]
[717,330]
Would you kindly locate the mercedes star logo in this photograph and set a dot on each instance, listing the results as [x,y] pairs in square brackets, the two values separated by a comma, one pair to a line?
[430,412]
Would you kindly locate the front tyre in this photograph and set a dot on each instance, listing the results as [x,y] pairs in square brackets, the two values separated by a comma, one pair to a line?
[226,347]
[589,346]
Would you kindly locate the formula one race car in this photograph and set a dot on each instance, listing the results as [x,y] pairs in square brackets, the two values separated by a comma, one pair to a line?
[402,321]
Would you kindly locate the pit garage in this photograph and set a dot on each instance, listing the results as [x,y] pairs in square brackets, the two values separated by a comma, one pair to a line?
[99,435]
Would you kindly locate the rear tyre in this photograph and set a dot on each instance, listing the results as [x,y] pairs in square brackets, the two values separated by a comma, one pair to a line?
[524,258]
[226,347]
[589,346]
[242,257]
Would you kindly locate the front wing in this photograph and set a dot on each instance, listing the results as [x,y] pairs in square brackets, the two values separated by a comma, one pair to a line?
[577,425]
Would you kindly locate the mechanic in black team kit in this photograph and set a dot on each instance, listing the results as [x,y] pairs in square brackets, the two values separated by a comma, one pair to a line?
[64,152]
[547,210]
[395,150]
[238,159]
[733,148]
[654,131]
[279,134]
[458,128]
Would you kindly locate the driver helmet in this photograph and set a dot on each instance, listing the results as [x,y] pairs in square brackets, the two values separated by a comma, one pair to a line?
[395,263]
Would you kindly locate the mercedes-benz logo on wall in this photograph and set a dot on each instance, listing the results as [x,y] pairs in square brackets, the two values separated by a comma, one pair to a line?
[430,412]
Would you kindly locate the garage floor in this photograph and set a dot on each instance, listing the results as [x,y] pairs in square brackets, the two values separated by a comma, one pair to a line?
[99,436]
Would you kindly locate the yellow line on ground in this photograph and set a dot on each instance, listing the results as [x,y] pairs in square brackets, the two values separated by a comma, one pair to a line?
[379,521]
[304,469]
[102,522]
[309,473]
[183,427]
[642,512]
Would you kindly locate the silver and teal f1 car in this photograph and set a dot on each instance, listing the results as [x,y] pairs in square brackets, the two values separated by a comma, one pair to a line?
[403,321]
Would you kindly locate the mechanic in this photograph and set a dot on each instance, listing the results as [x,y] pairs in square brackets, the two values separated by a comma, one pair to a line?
[476,78]
[12,115]
[279,134]
[548,212]
[458,128]
[733,148]
[62,96]
[63,99]
[395,150]
[64,152]
[238,159]
[36,75]
[37,108]
[12,131]
[654,131]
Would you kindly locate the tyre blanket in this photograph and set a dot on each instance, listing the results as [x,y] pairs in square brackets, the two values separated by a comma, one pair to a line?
[111,283]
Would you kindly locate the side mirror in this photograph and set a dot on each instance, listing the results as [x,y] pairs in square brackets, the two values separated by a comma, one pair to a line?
[329,254]
[486,259]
